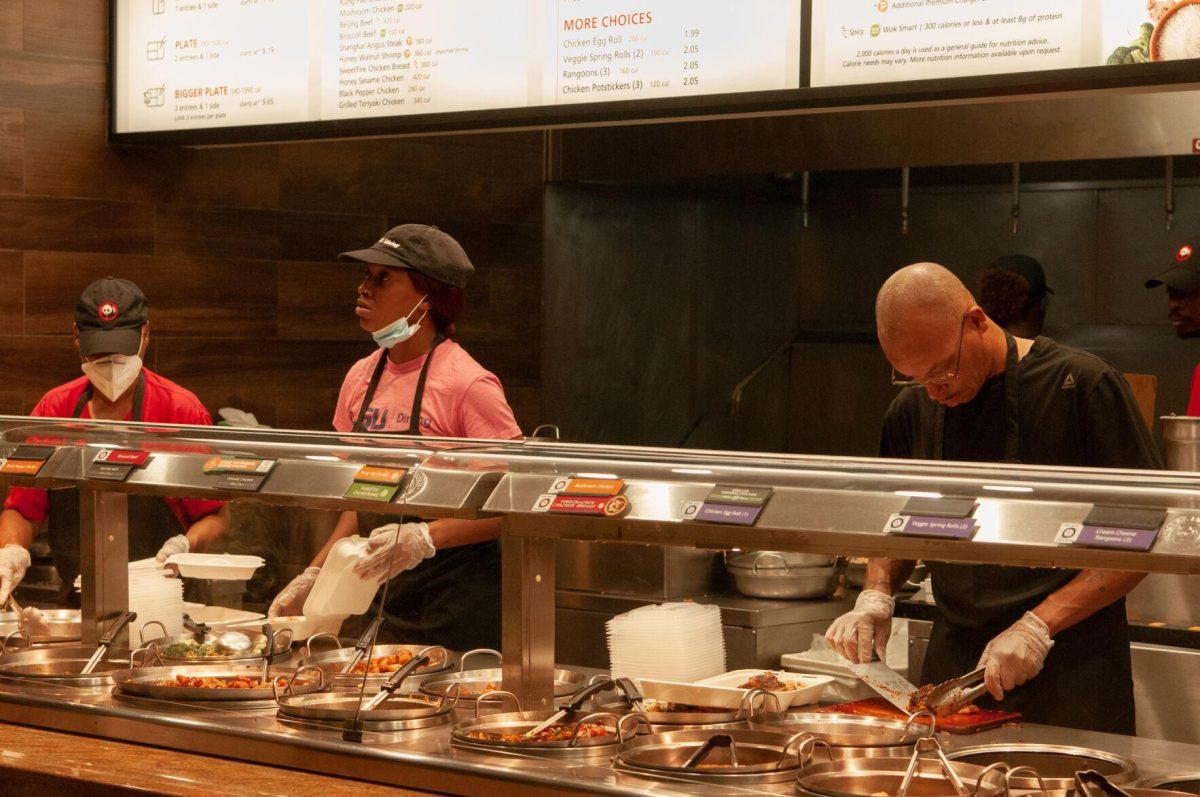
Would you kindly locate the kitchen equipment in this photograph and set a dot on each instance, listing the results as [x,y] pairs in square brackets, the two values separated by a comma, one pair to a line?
[338,590]
[572,707]
[664,716]
[730,758]
[971,722]
[501,733]
[926,773]
[218,567]
[64,665]
[953,695]
[784,582]
[1057,764]
[160,682]
[62,625]
[123,619]
[333,661]
[235,643]
[360,648]
[851,737]
[1182,436]
[169,649]
[220,617]
[1188,782]
[1089,783]
[473,683]
[766,561]
[302,627]
[668,642]
[887,682]
[406,712]
[389,687]
[808,687]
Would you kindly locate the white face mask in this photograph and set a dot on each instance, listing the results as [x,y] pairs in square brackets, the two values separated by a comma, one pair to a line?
[114,374]
[399,331]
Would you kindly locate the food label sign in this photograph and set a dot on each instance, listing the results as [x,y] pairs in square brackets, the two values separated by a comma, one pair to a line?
[575,485]
[950,528]
[1106,537]
[594,505]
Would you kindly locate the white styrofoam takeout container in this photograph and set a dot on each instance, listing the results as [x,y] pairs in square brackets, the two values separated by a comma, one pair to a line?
[721,691]
[219,566]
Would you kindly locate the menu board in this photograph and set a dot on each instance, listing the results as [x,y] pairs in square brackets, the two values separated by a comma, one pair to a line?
[187,64]
[881,41]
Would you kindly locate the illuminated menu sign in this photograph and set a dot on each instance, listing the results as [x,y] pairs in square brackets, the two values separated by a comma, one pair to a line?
[881,41]
[185,64]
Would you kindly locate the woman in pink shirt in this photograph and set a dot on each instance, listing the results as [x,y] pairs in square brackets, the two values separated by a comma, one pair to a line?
[446,573]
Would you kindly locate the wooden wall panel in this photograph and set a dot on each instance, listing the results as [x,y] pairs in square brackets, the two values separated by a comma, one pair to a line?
[235,247]
[12,151]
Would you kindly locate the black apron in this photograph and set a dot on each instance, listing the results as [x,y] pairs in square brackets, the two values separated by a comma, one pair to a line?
[151,521]
[453,598]
[1087,681]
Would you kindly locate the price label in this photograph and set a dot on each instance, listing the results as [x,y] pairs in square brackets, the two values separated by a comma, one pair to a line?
[259,467]
[922,526]
[365,491]
[602,488]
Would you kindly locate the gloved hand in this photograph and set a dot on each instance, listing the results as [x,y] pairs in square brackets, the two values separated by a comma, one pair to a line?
[14,561]
[177,544]
[290,600]
[1015,655]
[865,630]
[393,549]
[33,622]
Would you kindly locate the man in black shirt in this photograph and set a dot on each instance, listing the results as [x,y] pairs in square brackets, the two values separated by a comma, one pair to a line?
[978,394]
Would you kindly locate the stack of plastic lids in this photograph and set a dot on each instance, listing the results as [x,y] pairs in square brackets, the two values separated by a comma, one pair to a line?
[668,642]
[154,597]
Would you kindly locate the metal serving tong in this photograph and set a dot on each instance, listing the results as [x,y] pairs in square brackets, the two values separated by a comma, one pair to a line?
[199,630]
[1090,777]
[393,683]
[632,693]
[122,620]
[362,646]
[949,697]
[705,750]
[572,706]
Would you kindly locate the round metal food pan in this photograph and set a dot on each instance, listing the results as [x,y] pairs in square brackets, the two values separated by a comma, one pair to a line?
[797,584]
[517,722]
[332,662]
[373,724]
[343,706]
[472,683]
[159,649]
[679,720]
[762,756]
[863,777]
[147,682]
[1188,782]
[848,735]
[63,625]
[62,665]
[776,560]
[1057,764]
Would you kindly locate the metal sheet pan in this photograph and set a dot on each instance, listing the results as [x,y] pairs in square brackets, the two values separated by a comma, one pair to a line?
[149,682]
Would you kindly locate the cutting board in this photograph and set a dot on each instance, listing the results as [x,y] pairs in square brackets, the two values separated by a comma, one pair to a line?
[968,722]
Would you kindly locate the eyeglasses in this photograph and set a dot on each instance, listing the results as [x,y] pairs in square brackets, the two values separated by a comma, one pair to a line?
[937,381]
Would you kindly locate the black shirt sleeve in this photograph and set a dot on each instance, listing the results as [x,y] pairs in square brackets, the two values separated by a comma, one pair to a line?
[1115,434]
[896,437]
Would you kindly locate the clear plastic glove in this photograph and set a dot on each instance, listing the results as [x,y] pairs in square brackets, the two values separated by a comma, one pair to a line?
[393,549]
[865,630]
[1015,655]
[177,544]
[33,622]
[14,561]
[290,600]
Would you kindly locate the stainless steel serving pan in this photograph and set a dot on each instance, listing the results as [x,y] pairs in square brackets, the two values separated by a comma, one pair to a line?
[469,684]
[743,757]
[1056,764]
[61,665]
[64,625]
[258,642]
[766,561]
[1188,782]
[849,736]
[149,682]
[407,711]
[333,661]
[863,777]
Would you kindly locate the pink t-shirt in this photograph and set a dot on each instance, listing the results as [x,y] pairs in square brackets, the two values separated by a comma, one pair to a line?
[462,398]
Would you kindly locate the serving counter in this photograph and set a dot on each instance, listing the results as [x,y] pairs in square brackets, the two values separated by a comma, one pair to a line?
[547,491]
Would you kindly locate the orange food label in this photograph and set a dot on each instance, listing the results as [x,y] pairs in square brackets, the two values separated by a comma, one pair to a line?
[22,467]
[376,474]
[602,488]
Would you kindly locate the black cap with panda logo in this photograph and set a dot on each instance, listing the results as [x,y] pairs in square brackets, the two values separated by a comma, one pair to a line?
[110,316]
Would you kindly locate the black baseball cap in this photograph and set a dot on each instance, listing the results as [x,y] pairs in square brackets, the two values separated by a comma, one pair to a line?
[1184,273]
[1028,268]
[421,248]
[110,316]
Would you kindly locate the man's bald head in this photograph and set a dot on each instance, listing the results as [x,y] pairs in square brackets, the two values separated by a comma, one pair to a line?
[925,295]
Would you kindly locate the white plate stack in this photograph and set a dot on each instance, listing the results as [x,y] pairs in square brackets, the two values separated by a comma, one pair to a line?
[668,642]
[154,597]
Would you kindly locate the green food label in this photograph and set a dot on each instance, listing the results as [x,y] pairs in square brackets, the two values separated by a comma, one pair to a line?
[371,492]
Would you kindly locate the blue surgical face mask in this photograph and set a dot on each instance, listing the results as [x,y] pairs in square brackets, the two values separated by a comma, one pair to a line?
[399,330]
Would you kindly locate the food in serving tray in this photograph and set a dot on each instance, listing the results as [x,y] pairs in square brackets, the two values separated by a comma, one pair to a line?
[555,733]
[771,682]
[222,682]
[659,707]
[191,649]
[472,691]
[382,665]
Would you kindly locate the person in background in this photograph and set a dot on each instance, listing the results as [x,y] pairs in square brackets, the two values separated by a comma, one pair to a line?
[1013,293]
[1047,638]
[112,332]
[1182,280]
[446,573]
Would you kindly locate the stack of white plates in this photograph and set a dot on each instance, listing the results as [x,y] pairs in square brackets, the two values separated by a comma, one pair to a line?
[668,642]
[154,597]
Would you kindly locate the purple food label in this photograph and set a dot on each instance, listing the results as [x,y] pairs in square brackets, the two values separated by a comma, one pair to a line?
[731,515]
[919,526]
[1123,539]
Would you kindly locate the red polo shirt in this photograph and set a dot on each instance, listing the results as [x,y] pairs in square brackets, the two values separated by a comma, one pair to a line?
[163,402]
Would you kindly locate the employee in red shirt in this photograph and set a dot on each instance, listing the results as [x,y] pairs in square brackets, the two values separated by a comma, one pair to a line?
[1183,301]
[111,334]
